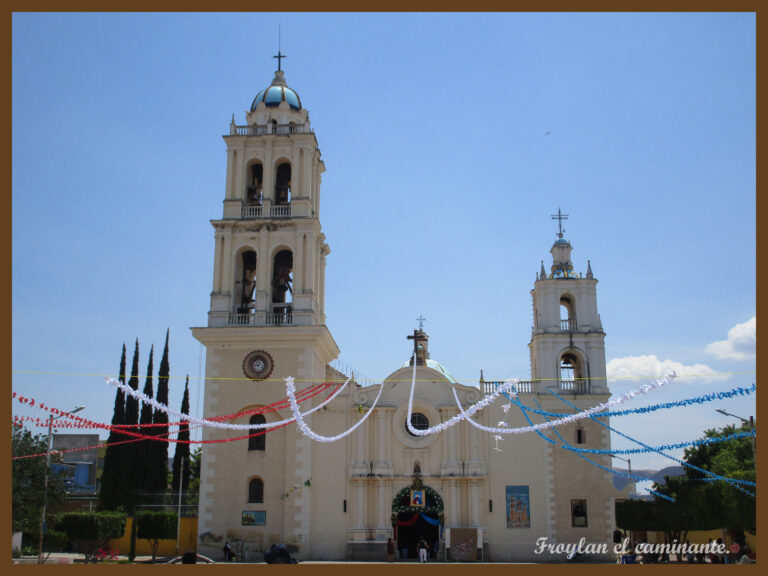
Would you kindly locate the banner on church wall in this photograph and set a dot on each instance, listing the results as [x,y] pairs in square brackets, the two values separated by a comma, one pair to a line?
[518,507]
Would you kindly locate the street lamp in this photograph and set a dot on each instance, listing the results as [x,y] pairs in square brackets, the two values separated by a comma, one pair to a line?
[627,460]
[751,420]
[45,478]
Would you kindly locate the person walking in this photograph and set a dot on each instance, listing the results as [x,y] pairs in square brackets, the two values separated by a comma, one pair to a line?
[423,549]
[390,550]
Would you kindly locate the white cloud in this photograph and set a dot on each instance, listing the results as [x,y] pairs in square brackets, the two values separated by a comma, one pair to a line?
[741,343]
[650,367]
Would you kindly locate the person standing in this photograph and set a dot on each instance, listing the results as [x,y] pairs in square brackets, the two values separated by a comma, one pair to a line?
[422,548]
[390,550]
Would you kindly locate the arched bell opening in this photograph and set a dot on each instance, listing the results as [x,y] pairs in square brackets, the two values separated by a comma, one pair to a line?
[254,189]
[572,377]
[283,184]
[282,290]
[245,282]
[567,313]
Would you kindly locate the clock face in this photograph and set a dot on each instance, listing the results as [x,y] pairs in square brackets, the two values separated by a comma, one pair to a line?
[258,365]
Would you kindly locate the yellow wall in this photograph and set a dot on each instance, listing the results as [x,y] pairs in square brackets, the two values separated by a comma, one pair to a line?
[187,541]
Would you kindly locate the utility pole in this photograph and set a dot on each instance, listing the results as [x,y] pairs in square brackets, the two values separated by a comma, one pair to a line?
[178,516]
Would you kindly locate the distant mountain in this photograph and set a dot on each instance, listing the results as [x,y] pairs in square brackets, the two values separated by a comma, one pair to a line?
[656,475]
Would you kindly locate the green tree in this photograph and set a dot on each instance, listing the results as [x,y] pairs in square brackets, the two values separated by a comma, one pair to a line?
[159,479]
[88,530]
[130,454]
[699,503]
[144,465]
[732,459]
[112,479]
[195,462]
[181,455]
[155,526]
[27,485]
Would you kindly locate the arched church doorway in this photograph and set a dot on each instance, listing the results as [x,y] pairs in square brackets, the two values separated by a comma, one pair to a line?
[417,512]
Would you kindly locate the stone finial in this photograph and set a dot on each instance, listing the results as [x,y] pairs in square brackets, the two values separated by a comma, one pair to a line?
[589,270]
[543,273]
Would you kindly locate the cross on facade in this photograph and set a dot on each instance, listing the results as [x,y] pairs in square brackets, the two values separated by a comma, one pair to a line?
[560,217]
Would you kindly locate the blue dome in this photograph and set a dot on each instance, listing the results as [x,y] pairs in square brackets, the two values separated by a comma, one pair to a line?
[276,93]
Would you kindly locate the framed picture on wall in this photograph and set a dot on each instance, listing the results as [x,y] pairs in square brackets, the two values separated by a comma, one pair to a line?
[254,518]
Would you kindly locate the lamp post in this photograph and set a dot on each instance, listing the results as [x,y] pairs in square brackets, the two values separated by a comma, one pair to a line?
[45,478]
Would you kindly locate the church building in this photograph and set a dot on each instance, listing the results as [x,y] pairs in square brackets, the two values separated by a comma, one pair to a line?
[471,494]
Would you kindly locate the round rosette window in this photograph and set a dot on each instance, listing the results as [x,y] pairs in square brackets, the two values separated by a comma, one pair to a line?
[258,365]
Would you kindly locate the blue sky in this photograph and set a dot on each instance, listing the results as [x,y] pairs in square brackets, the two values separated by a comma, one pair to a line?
[448,139]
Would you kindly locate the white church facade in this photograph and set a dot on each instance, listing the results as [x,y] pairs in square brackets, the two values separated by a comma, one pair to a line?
[470,494]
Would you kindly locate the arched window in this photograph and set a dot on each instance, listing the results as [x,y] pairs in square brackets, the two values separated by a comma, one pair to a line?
[581,437]
[258,442]
[256,491]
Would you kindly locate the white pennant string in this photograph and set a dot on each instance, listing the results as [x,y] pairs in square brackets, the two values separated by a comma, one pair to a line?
[644,389]
[508,386]
[211,423]
[306,430]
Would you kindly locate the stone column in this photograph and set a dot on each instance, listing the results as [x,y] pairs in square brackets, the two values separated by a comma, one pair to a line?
[298,265]
[451,506]
[474,503]
[231,155]
[264,273]
[218,255]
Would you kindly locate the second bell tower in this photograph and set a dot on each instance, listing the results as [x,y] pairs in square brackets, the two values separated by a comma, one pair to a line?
[567,342]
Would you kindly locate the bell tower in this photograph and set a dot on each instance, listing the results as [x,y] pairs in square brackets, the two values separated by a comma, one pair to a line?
[270,254]
[266,322]
[567,344]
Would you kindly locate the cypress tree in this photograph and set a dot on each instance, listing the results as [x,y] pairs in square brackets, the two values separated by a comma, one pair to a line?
[131,455]
[159,480]
[111,476]
[182,447]
[145,462]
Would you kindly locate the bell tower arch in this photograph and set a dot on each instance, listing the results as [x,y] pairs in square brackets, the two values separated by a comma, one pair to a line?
[567,346]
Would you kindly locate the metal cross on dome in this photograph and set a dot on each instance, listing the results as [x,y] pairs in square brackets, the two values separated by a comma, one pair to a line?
[279,57]
[420,320]
[560,217]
